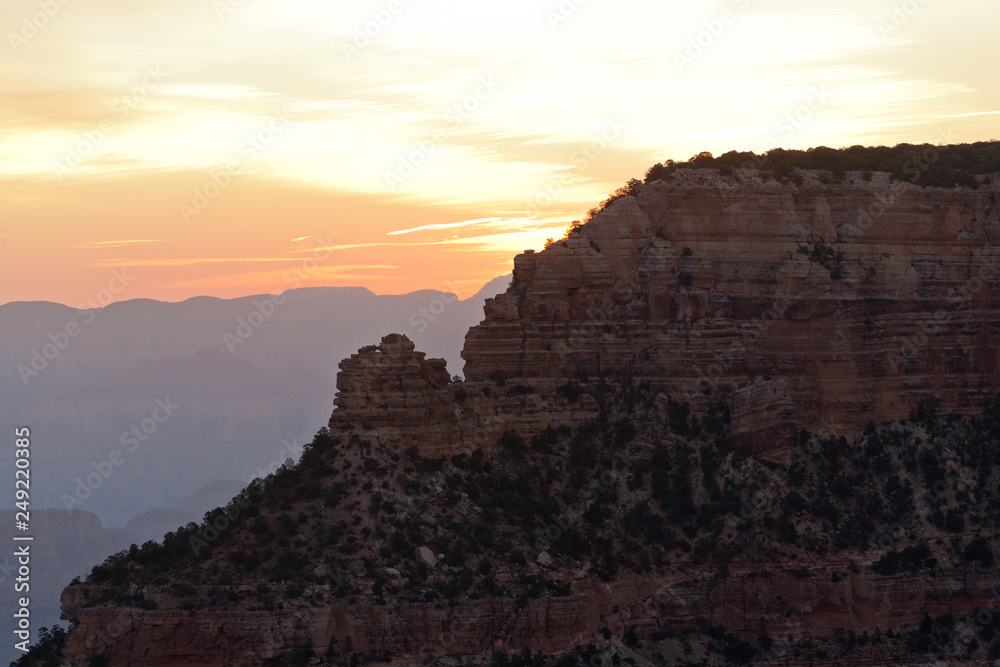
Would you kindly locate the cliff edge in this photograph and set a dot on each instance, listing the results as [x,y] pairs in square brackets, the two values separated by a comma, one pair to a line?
[664,439]
[866,300]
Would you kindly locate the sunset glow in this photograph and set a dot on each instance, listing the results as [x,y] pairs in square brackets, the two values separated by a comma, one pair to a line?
[217,147]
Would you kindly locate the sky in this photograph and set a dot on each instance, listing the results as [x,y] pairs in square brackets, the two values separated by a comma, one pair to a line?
[172,148]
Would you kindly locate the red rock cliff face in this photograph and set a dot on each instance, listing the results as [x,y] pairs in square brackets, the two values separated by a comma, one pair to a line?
[392,391]
[863,300]
[393,386]
[780,604]
[874,318]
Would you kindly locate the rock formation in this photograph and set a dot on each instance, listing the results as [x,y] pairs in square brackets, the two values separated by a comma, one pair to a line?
[395,387]
[392,390]
[782,605]
[866,300]
[773,307]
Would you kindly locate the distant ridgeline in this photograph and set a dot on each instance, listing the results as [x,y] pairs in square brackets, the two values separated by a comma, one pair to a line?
[926,164]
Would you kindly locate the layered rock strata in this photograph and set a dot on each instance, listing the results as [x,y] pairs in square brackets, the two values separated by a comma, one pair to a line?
[392,391]
[779,604]
[866,300]
[821,307]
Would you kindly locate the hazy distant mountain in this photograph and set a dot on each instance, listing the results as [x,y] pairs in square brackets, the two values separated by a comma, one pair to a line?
[68,544]
[193,391]
[244,404]
[154,524]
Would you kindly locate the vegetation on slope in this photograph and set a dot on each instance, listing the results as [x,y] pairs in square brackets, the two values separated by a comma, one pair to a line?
[926,164]
[960,165]
[647,488]
[47,650]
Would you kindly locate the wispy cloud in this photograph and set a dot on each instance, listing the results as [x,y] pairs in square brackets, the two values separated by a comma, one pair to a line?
[195,261]
[214,91]
[448,225]
[972,113]
[117,243]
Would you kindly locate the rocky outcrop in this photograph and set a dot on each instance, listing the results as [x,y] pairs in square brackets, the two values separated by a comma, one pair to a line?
[762,418]
[782,604]
[815,306]
[779,604]
[865,300]
[392,391]
[393,386]
[251,638]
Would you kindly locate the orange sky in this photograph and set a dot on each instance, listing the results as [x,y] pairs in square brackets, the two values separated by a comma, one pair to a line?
[248,146]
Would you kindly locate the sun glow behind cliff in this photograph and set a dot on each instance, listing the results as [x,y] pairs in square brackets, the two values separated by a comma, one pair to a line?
[402,116]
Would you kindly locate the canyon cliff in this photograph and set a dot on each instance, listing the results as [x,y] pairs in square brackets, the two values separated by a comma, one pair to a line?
[865,300]
[666,426]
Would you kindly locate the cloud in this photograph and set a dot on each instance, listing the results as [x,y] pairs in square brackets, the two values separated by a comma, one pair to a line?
[116,244]
[512,167]
[973,113]
[214,91]
[196,261]
[450,225]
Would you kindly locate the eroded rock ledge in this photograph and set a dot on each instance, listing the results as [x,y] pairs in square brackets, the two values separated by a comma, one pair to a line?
[865,300]
[780,604]
[392,391]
